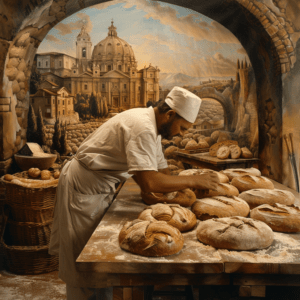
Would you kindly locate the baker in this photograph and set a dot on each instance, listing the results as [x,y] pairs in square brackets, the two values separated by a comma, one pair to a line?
[129,144]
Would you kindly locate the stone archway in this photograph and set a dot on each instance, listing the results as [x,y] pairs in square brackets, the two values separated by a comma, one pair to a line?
[210,92]
[264,35]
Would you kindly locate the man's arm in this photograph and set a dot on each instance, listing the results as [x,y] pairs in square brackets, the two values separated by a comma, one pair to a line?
[165,171]
[157,182]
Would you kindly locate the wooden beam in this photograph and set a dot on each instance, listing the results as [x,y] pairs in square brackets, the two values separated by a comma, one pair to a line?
[260,279]
[252,291]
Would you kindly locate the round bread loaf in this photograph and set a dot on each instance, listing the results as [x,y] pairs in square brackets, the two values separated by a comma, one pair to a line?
[45,175]
[175,215]
[169,153]
[231,173]
[150,238]
[184,198]
[56,174]
[9,177]
[220,207]
[34,172]
[192,145]
[214,148]
[203,144]
[235,233]
[222,177]
[249,182]
[279,217]
[184,142]
[172,167]
[235,151]
[223,152]
[224,189]
[246,153]
[258,197]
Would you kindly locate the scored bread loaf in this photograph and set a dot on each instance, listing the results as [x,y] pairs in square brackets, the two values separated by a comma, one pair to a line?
[175,215]
[249,182]
[279,217]
[246,153]
[223,152]
[235,233]
[214,148]
[223,189]
[170,152]
[192,145]
[150,238]
[184,198]
[220,207]
[258,197]
[235,151]
[222,177]
[231,173]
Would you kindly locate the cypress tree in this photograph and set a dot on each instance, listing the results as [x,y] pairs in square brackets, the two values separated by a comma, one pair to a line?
[56,136]
[93,105]
[31,127]
[63,140]
[41,130]
[105,113]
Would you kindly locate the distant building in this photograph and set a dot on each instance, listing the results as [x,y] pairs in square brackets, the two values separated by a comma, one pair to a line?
[55,102]
[208,124]
[109,70]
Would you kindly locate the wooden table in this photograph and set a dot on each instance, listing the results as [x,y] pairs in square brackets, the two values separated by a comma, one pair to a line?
[204,160]
[106,264]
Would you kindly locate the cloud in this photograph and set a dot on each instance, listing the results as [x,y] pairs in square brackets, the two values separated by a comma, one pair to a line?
[54,39]
[64,29]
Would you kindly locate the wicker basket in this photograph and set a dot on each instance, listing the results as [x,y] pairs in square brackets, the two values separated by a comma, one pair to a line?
[28,260]
[33,198]
[21,214]
[28,234]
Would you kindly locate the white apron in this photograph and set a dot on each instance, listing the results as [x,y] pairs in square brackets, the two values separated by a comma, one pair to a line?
[83,197]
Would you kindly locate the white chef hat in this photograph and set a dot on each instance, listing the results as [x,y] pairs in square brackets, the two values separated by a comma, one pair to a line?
[185,103]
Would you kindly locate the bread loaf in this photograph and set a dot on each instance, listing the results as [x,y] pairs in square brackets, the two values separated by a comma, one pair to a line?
[192,145]
[203,144]
[279,217]
[34,172]
[249,182]
[222,177]
[214,148]
[150,238]
[231,173]
[184,142]
[258,197]
[235,233]
[56,174]
[8,177]
[175,215]
[170,152]
[235,151]
[45,175]
[184,198]
[223,152]
[246,153]
[224,189]
[35,184]
[220,207]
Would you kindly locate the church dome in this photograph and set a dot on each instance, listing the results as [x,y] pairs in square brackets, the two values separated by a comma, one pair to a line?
[115,51]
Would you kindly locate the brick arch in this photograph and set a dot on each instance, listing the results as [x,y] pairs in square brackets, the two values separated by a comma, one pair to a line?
[210,92]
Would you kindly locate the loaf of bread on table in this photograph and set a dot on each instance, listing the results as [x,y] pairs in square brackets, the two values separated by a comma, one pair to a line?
[220,207]
[192,145]
[175,215]
[279,217]
[249,182]
[150,238]
[235,151]
[246,153]
[257,197]
[235,233]
[231,173]
[184,198]
[223,152]
[223,189]
[222,177]
[214,148]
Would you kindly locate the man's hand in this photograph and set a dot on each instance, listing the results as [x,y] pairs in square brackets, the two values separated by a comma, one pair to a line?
[207,181]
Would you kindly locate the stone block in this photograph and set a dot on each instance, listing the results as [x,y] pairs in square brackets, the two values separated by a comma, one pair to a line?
[265,22]
[283,68]
[4,108]
[281,33]
[270,16]
[289,49]
[278,43]
[249,6]
[272,30]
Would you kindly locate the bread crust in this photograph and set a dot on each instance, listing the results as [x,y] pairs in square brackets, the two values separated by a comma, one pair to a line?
[249,182]
[150,238]
[214,148]
[220,207]
[235,233]
[45,175]
[257,197]
[223,152]
[235,151]
[231,173]
[169,153]
[192,145]
[34,172]
[224,189]
[175,215]
[184,198]
[222,177]
[246,153]
[279,217]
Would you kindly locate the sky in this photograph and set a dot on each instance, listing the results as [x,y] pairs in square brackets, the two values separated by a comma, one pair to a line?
[176,39]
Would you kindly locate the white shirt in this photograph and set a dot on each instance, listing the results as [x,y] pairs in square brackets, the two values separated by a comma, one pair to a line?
[126,143]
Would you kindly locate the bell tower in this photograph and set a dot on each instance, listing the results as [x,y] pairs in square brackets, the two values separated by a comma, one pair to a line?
[83,45]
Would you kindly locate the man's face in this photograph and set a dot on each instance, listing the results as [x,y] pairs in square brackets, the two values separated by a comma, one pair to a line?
[174,125]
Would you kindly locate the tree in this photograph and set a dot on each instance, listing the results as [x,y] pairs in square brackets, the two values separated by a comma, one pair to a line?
[41,130]
[93,106]
[32,127]
[63,140]
[56,136]
[34,80]
[149,103]
[105,108]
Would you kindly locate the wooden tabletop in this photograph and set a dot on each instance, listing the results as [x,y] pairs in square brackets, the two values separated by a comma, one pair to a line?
[205,157]
[102,253]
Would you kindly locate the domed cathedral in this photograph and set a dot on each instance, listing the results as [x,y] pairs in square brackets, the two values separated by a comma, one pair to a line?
[109,71]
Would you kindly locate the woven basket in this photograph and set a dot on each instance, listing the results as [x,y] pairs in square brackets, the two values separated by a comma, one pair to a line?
[28,234]
[28,260]
[21,214]
[33,198]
